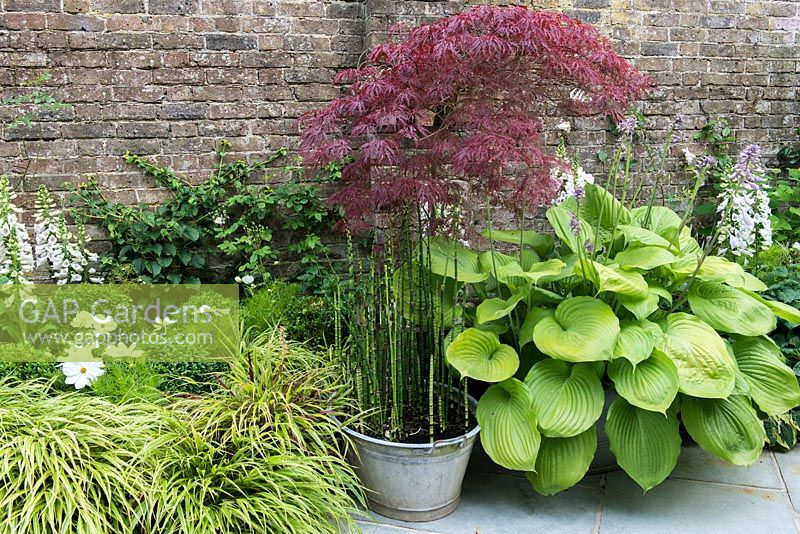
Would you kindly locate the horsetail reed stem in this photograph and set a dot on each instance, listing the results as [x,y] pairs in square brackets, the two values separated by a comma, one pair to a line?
[392,314]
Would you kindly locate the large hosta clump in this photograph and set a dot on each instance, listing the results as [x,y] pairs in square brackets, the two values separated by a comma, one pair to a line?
[461,101]
[631,302]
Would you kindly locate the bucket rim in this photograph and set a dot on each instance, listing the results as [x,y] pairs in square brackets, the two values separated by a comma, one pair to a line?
[458,440]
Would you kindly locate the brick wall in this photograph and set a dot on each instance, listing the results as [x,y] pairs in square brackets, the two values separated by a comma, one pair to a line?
[170,77]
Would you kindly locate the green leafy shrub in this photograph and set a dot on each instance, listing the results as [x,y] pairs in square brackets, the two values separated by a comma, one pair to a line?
[22,371]
[232,214]
[785,204]
[168,377]
[260,454]
[307,318]
[129,381]
[789,155]
[71,462]
[784,286]
[188,377]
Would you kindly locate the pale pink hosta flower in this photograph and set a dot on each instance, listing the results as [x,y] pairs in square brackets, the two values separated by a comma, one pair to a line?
[627,126]
[573,179]
[689,156]
[744,206]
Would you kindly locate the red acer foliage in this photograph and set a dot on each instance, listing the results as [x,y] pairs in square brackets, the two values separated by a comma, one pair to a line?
[461,101]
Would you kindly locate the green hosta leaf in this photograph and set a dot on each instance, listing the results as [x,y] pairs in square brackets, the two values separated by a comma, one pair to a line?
[641,308]
[489,261]
[566,400]
[541,243]
[634,343]
[705,368]
[650,385]
[498,327]
[644,258]
[654,329]
[688,244]
[660,291]
[563,462]
[528,257]
[538,296]
[531,320]
[663,221]
[451,335]
[448,258]
[550,270]
[728,428]
[582,329]
[508,425]
[636,235]
[612,278]
[748,282]
[479,354]
[560,219]
[600,206]
[646,444]
[513,273]
[728,310]
[784,311]
[712,269]
[644,308]
[741,386]
[566,271]
[493,309]
[773,385]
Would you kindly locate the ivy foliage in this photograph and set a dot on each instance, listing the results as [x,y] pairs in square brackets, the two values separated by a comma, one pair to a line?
[29,103]
[232,215]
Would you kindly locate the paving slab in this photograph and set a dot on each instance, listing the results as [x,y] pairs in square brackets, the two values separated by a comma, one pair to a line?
[703,496]
[690,507]
[696,464]
[480,462]
[500,504]
[789,464]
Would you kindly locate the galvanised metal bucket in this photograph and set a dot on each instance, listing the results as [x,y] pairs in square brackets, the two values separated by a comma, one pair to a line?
[412,482]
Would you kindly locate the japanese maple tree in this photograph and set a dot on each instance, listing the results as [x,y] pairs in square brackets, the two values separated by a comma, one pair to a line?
[461,101]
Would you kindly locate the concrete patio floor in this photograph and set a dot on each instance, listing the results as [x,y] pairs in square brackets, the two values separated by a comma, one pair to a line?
[703,495]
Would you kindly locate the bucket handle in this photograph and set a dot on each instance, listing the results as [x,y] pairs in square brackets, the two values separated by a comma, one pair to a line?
[461,442]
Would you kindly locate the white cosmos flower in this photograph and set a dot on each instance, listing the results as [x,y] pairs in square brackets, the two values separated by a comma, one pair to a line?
[246,279]
[81,374]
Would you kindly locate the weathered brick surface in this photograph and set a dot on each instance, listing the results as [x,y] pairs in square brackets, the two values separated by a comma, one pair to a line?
[169,77]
